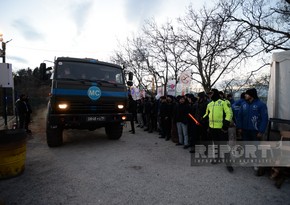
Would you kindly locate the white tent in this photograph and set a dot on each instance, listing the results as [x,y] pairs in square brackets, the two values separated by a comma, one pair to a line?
[279,88]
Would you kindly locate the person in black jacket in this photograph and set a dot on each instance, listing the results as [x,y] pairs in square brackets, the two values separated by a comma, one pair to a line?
[140,108]
[28,115]
[148,111]
[192,137]
[162,115]
[181,118]
[201,131]
[165,113]
[132,108]
[23,111]
[168,121]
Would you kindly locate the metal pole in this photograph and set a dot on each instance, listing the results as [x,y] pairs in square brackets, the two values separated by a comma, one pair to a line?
[5,107]
[4,89]
[4,51]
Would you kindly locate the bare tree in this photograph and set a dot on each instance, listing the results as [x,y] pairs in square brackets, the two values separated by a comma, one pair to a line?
[215,45]
[212,43]
[165,48]
[135,57]
[269,20]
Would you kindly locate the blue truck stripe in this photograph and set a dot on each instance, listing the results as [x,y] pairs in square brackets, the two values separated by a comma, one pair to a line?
[58,91]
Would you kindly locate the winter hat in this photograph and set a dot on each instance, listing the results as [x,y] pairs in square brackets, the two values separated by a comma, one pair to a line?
[221,93]
[243,95]
[252,92]
[192,97]
[189,96]
[201,95]
[170,96]
[215,95]
[180,96]
[162,98]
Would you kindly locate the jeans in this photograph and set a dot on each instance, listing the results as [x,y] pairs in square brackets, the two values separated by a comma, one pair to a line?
[140,119]
[182,133]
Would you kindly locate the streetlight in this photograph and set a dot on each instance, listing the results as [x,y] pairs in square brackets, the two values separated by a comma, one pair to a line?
[3,51]
[3,54]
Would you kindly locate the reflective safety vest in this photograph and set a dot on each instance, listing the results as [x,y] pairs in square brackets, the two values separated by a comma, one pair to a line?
[217,112]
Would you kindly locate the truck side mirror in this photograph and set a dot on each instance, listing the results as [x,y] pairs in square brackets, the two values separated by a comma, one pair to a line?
[129,82]
[42,69]
[130,76]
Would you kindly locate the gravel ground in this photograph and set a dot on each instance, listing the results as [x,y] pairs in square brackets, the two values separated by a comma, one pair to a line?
[137,169]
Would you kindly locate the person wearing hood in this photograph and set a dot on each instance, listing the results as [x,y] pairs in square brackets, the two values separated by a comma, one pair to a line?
[191,126]
[252,121]
[219,113]
[132,108]
[23,111]
[181,119]
[252,118]
[200,110]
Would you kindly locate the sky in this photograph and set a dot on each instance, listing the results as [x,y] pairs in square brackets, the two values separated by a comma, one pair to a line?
[44,29]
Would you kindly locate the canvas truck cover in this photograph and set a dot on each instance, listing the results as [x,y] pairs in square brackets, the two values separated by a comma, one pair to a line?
[279,88]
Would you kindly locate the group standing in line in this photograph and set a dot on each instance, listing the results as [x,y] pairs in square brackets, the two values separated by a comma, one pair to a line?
[205,119]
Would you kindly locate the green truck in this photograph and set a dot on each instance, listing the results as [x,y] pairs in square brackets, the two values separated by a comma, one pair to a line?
[86,94]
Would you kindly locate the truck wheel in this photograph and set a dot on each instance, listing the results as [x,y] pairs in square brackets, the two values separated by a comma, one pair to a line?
[114,131]
[54,137]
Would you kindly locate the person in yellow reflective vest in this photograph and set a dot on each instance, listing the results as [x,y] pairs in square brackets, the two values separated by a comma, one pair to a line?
[220,114]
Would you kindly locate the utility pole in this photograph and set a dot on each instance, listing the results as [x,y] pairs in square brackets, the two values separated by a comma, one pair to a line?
[3,55]
[3,51]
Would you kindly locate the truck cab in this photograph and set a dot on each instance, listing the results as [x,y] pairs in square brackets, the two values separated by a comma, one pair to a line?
[86,94]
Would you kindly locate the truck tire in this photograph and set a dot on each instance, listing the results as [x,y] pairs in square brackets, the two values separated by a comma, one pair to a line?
[114,131]
[54,137]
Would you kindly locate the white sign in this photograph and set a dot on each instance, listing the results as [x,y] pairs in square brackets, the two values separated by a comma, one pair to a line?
[6,78]
[179,88]
[160,91]
[171,86]
[185,78]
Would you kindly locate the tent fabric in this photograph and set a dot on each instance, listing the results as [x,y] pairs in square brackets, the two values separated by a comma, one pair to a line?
[279,88]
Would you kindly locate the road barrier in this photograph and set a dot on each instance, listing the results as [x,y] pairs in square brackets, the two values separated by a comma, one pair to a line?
[12,152]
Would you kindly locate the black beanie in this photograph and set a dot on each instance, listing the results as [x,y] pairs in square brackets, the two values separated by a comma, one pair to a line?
[201,94]
[252,92]
[215,96]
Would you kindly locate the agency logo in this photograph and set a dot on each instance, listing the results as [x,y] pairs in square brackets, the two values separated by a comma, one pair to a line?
[243,153]
[94,93]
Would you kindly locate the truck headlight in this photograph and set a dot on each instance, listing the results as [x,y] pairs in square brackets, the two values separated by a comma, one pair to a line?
[63,106]
[120,106]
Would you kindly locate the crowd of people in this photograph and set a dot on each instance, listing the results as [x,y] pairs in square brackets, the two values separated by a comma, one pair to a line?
[202,119]
[190,120]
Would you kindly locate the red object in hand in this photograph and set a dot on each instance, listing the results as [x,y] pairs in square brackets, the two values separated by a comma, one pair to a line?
[196,122]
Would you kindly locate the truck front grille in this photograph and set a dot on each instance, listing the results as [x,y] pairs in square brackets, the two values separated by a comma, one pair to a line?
[84,108]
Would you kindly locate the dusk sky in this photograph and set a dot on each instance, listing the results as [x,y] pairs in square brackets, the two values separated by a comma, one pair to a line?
[43,30]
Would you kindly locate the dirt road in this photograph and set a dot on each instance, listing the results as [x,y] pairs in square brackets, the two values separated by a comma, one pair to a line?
[137,169]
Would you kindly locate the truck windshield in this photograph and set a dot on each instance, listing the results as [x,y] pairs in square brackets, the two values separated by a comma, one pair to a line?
[88,71]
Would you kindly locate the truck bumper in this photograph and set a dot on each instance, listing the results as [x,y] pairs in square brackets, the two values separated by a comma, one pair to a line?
[85,121]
